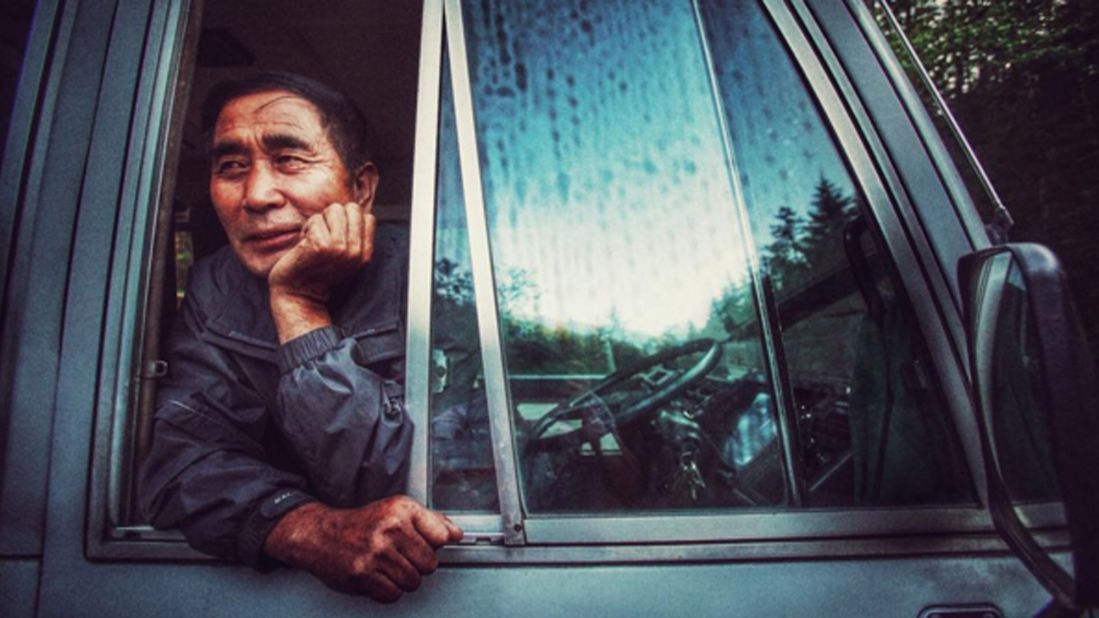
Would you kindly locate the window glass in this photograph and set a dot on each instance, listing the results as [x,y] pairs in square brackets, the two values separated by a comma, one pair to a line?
[662,293]
[857,365]
[463,470]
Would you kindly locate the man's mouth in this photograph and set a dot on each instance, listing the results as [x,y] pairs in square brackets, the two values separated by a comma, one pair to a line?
[274,239]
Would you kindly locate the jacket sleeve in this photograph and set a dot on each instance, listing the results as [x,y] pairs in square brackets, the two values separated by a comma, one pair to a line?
[207,471]
[347,424]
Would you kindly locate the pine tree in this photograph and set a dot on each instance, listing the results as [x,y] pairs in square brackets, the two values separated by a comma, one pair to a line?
[785,255]
[829,212]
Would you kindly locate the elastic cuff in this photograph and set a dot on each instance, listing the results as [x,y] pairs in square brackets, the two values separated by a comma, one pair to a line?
[307,347]
[260,523]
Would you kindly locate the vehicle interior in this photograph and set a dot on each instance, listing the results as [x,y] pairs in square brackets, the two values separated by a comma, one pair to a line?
[694,425]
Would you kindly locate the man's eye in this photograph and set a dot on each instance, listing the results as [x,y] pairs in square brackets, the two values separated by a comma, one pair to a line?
[289,161]
[229,167]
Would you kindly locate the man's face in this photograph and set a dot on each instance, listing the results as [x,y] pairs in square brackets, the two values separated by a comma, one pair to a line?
[272,167]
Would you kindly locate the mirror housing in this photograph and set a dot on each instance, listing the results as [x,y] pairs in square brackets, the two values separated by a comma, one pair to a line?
[1046,340]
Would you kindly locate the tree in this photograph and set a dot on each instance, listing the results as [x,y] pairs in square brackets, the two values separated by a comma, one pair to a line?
[829,213]
[1022,78]
[785,254]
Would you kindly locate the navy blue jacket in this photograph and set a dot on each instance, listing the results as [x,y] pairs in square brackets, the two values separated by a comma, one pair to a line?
[246,429]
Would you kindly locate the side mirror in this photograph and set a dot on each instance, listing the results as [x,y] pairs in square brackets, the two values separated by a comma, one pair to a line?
[1035,388]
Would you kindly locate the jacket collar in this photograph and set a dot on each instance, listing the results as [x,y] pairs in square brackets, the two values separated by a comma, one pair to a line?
[369,302]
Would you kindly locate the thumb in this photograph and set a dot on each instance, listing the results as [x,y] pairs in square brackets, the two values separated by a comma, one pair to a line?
[455,532]
[435,528]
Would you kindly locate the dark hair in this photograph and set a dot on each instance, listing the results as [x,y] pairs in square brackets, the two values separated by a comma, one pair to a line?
[346,126]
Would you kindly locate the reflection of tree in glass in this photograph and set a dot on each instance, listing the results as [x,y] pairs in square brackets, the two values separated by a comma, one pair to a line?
[804,250]
[785,253]
[533,347]
[452,282]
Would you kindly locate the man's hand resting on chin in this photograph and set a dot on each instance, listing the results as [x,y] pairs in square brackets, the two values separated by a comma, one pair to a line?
[334,244]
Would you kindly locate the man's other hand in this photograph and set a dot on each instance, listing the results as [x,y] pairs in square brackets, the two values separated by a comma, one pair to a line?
[379,550]
[334,244]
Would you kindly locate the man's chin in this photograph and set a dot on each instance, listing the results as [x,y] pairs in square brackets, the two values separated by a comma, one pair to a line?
[258,265]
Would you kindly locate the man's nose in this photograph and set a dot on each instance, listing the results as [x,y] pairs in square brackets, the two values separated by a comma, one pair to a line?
[261,191]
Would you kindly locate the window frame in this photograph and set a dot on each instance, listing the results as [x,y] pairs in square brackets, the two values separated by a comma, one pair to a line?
[162,89]
[142,234]
[511,536]
[894,215]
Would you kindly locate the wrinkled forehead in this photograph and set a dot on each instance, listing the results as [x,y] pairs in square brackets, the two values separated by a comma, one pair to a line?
[275,110]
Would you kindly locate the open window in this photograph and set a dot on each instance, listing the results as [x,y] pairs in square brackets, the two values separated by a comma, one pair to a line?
[371,51]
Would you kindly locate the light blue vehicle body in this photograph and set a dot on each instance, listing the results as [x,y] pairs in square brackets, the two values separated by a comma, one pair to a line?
[84,166]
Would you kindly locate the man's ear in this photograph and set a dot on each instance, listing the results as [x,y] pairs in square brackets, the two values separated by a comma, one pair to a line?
[365,185]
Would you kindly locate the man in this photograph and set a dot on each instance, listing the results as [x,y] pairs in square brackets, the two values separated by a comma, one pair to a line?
[280,432]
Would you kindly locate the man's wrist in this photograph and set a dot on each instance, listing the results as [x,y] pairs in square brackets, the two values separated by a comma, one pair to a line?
[295,315]
[292,539]
[259,524]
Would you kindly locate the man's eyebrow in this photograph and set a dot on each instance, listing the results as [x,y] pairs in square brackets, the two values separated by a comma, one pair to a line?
[227,148]
[271,141]
[284,141]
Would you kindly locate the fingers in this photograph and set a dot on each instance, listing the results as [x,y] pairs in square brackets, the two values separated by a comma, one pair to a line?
[401,571]
[436,528]
[382,571]
[370,223]
[315,230]
[335,217]
[419,553]
[354,216]
[377,586]
[348,229]
[456,533]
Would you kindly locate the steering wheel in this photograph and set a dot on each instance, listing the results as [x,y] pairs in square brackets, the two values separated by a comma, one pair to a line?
[598,418]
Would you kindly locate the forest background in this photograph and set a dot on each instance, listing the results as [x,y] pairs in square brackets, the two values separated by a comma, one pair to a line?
[1022,79]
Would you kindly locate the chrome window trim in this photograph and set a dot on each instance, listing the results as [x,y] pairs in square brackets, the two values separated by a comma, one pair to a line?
[960,532]
[945,545]
[479,527]
[916,260]
[421,259]
[785,409]
[758,525]
[145,182]
[929,134]
[496,389]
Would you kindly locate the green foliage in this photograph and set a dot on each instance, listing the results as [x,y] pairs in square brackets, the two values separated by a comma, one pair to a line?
[1022,77]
